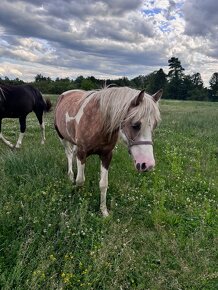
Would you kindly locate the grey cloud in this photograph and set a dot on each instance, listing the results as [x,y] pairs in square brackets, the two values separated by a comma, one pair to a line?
[121,60]
[101,39]
[18,22]
[84,8]
[213,51]
[121,6]
[128,30]
[75,9]
[26,22]
[201,17]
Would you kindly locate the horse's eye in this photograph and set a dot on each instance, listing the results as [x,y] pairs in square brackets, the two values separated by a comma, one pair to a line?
[136,126]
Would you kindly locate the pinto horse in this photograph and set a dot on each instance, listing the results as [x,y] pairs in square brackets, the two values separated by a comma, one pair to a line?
[90,123]
[18,102]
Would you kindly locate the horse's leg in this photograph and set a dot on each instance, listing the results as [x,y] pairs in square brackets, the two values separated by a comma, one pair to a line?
[103,184]
[70,151]
[22,121]
[43,132]
[80,161]
[3,138]
[80,178]
[39,115]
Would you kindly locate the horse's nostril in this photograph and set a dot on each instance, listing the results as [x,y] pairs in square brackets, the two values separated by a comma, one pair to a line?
[138,166]
[143,167]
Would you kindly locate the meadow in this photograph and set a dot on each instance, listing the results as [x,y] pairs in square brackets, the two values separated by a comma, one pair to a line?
[162,232]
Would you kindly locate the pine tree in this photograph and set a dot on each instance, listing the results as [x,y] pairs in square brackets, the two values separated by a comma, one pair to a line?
[214,86]
[175,88]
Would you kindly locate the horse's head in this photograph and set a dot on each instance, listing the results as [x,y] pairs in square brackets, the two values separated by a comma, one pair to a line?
[136,130]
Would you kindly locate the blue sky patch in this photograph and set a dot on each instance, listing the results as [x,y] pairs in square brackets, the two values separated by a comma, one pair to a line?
[152,12]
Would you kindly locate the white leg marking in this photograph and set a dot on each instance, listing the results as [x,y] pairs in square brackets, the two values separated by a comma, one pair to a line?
[6,141]
[103,184]
[80,179]
[43,132]
[70,151]
[19,141]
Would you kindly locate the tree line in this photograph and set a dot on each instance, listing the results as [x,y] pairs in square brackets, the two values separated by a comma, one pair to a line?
[176,84]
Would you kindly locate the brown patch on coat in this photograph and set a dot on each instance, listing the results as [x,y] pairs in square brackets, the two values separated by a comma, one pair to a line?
[88,134]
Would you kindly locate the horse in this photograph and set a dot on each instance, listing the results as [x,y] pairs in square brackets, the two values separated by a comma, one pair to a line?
[90,122]
[17,102]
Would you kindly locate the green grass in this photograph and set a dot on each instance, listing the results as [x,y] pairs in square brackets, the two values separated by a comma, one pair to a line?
[162,232]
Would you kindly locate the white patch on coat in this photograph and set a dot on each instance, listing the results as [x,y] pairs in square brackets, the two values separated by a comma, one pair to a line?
[80,112]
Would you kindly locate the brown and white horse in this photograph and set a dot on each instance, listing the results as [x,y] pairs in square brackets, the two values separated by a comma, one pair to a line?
[91,122]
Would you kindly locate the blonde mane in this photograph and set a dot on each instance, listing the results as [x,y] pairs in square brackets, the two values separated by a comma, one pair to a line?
[114,105]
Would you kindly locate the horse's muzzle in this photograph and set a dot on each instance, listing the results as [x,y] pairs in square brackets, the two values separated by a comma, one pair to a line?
[143,167]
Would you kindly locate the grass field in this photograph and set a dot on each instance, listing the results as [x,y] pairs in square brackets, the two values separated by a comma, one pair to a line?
[162,232]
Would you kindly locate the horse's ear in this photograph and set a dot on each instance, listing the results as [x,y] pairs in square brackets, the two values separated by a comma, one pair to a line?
[138,99]
[157,95]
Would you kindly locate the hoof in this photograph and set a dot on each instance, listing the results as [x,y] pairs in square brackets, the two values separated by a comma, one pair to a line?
[79,183]
[9,144]
[71,177]
[104,212]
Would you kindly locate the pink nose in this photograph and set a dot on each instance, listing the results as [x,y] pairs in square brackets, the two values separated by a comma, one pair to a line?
[144,166]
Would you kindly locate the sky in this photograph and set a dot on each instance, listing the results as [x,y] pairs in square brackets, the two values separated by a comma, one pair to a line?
[107,39]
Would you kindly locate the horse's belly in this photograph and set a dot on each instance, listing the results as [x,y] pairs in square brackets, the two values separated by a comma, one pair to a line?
[11,115]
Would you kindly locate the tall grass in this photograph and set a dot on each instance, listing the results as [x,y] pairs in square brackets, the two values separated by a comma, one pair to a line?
[163,227]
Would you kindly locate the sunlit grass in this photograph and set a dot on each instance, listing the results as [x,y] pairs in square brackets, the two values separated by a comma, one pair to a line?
[163,227]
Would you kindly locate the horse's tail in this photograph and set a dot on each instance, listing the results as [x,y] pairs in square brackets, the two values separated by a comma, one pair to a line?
[40,101]
[47,105]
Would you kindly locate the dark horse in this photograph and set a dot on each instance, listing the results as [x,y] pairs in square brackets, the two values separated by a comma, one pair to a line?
[18,102]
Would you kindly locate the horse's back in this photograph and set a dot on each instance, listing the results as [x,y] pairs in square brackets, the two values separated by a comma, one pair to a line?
[17,89]
[18,99]
[68,102]
[21,93]
[71,96]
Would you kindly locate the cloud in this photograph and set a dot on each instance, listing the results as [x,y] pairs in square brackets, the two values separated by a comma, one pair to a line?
[106,38]
[201,22]
[97,36]
[201,17]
